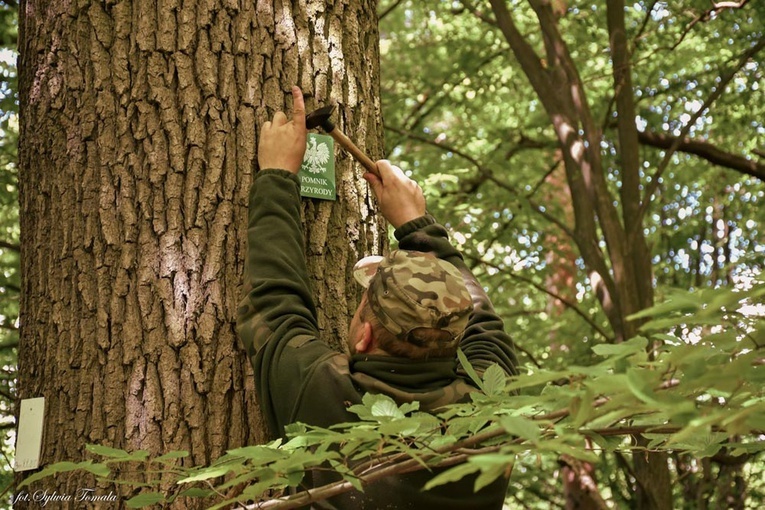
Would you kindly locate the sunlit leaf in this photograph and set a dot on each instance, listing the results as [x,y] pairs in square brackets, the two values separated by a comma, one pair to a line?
[452,475]
[145,499]
[521,427]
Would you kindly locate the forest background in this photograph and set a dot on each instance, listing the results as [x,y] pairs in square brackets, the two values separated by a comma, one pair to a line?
[463,118]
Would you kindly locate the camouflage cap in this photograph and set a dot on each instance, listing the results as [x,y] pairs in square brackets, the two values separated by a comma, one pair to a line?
[410,289]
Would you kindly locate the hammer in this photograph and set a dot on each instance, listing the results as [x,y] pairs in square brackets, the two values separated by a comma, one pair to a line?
[320,118]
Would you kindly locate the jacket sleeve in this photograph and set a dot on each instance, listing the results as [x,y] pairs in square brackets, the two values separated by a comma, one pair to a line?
[485,341]
[276,319]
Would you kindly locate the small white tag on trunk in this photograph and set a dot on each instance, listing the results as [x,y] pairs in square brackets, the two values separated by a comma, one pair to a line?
[30,434]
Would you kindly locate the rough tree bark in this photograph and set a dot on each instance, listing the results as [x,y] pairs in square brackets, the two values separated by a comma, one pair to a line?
[139,121]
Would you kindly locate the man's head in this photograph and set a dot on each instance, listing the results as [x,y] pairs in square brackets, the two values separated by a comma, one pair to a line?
[415,306]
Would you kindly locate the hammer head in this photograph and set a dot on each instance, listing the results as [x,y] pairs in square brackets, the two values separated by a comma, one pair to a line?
[320,118]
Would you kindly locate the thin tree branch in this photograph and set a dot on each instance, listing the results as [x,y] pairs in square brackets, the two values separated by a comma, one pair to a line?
[487,174]
[455,453]
[470,6]
[9,327]
[717,7]
[706,151]
[422,109]
[647,18]
[375,474]
[9,345]
[10,246]
[10,286]
[568,303]
[724,80]
[541,181]
[528,354]
[389,10]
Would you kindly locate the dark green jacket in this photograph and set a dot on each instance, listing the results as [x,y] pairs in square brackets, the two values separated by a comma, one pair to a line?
[299,378]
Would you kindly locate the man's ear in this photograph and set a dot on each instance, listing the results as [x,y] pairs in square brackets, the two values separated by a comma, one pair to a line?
[366,342]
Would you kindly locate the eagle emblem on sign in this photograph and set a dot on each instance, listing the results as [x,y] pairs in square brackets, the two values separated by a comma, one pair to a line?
[316,156]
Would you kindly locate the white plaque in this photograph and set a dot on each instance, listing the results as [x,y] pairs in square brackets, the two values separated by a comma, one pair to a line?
[30,433]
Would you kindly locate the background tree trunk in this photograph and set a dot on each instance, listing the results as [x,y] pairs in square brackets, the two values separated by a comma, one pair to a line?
[623,272]
[139,121]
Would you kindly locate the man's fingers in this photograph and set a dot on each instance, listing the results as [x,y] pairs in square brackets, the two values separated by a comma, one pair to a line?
[374,182]
[279,119]
[399,173]
[390,173]
[298,108]
[372,179]
[385,169]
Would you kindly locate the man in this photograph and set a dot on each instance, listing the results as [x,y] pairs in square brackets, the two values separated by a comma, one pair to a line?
[421,303]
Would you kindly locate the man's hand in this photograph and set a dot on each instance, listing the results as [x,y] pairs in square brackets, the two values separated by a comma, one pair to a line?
[399,197]
[282,143]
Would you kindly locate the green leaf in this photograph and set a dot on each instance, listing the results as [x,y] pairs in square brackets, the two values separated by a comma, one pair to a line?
[257,490]
[386,408]
[347,474]
[401,427]
[408,407]
[245,477]
[259,454]
[702,445]
[744,448]
[640,387]
[536,379]
[494,380]
[146,499]
[106,451]
[470,370]
[585,409]
[375,406]
[294,429]
[559,447]
[677,301]
[452,475]
[95,468]
[171,456]
[631,346]
[521,427]
[115,454]
[206,474]
[609,444]
[196,492]
[487,476]
[294,478]
[101,470]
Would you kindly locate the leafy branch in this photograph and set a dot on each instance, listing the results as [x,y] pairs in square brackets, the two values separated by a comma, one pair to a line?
[670,399]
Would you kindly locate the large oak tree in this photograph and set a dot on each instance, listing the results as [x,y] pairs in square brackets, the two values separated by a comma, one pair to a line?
[139,121]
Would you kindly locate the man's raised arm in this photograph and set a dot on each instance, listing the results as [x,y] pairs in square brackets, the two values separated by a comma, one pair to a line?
[278,305]
[402,203]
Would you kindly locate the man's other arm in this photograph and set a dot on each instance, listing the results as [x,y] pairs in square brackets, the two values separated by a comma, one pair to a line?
[402,203]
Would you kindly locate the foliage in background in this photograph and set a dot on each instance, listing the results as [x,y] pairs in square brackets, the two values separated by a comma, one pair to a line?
[461,117]
[9,236]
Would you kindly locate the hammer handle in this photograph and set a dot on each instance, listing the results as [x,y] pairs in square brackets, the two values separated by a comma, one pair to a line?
[348,145]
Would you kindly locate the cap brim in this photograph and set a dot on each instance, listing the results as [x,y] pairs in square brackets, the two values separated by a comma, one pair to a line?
[365,269]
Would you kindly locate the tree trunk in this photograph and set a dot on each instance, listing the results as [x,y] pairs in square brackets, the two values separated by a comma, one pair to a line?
[624,278]
[139,122]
